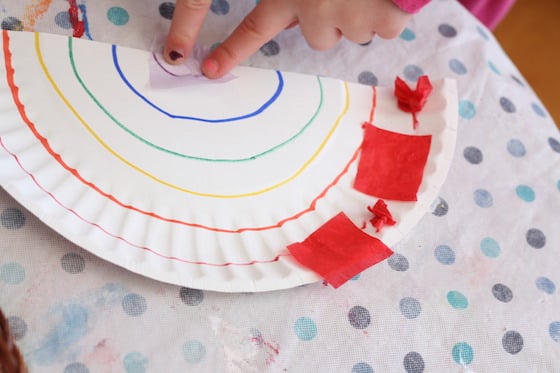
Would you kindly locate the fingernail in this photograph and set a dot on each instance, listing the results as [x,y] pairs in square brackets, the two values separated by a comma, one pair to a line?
[210,67]
[174,55]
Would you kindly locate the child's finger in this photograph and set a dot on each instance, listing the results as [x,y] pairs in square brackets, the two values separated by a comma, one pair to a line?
[266,20]
[319,36]
[185,26]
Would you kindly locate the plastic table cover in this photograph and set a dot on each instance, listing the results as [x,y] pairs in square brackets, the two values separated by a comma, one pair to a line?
[472,288]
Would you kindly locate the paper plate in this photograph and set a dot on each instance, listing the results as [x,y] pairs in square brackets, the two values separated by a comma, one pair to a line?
[202,186]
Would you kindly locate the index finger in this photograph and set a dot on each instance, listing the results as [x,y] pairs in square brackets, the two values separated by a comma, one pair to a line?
[188,18]
[264,22]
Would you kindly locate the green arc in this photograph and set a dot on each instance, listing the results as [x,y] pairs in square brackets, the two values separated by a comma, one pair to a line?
[188,156]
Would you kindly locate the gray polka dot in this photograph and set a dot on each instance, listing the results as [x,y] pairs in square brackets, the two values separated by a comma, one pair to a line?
[447,30]
[191,297]
[538,110]
[359,317]
[367,78]
[270,48]
[12,218]
[516,148]
[457,67]
[166,9]
[439,207]
[76,368]
[413,362]
[12,23]
[219,7]
[412,73]
[473,155]
[63,20]
[554,331]
[512,342]
[507,105]
[546,285]
[536,238]
[398,262]
[483,198]
[554,144]
[134,304]
[410,307]
[444,254]
[73,263]
[502,293]
[18,327]
[517,80]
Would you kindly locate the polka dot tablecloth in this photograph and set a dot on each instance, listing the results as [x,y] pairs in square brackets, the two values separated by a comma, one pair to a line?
[474,287]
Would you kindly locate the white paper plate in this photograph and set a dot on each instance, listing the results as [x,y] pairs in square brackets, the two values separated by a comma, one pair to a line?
[200,186]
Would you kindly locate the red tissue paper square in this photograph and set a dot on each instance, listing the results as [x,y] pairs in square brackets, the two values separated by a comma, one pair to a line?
[339,250]
[391,164]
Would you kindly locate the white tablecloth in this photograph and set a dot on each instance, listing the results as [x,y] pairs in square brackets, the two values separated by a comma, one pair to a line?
[472,288]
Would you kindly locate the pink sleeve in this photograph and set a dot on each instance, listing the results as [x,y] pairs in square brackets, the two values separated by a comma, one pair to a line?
[411,6]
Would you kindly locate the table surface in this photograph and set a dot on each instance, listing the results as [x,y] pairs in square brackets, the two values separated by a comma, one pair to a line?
[472,288]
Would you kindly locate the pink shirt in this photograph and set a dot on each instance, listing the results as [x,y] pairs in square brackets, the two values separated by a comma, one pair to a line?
[411,6]
[489,12]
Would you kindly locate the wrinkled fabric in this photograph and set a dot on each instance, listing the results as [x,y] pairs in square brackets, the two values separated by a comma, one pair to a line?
[473,287]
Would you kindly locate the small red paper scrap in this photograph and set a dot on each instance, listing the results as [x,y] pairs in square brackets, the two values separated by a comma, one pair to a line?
[339,250]
[391,164]
[381,215]
[413,101]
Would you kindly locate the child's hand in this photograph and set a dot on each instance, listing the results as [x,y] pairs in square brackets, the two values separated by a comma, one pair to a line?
[322,22]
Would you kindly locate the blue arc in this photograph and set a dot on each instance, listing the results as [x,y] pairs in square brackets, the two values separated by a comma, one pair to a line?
[206,120]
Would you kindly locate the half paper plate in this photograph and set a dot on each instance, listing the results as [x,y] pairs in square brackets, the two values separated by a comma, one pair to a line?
[202,186]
